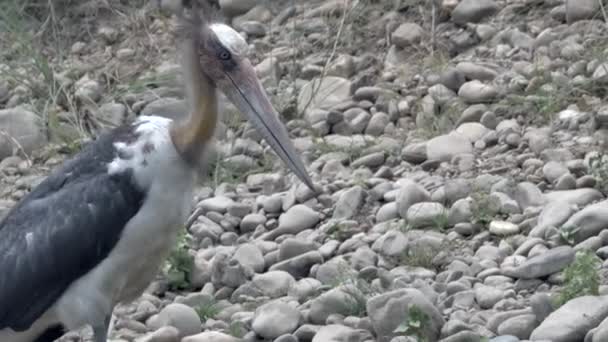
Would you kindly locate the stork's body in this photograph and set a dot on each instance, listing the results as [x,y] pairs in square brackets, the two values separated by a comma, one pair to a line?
[107,219]
[95,232]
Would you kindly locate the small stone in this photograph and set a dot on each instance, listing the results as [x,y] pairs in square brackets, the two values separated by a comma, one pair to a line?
[163,334]
[273,284]
[407,34]
[474,131]
[388,310]
[182,317]
[477,92]
[125,54]
[519,326]
[393,243]
[324,94]
[218,204]
[336,301]
[274,319]
[112,114]
[251,221]
[387,212]
[286,338]
[547,263]
[426,214]
[541,306]
[109,34]
[237,7]
[300,265]
[253,28]
[409,194]
[452,78]
[377,124]
[487,296]
[296,219]
[503,228]
[414,153]
[475,71]
[343,66]
[211,336]
[473,11]
[22,126]
[505,338]
[445,147]
[581,9]
[554,170]
[88,90]
[228,272]
[339,333]
[166,107]
[250,255]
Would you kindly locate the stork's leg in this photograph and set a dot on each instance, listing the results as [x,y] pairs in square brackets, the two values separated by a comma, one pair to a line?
[111,325]
[100,332]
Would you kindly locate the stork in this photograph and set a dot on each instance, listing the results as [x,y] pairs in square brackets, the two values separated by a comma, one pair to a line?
[94,233]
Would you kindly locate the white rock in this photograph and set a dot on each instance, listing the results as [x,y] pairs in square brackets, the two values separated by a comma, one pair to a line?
[447,146]
[273,284]
[410,193]
[349,203]
[581,9]
[477,92]
[503,228]
[426,214]
[274,319]
[180,316]
[298,218]
[163,334]
[324,93]
[250,255]
[341,333]
[407,34]
[218,204]
[87,90]
[473,10]
[23,126]
[236,7]
[474,131]
[211,336]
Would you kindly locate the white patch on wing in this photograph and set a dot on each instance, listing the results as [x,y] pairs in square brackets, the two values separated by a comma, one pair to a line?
[150,155]
[231,39]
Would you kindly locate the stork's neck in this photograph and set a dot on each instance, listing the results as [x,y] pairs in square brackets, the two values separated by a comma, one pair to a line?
[190,136]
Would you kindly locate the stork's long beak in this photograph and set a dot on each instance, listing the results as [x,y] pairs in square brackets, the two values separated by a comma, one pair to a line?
[244,89]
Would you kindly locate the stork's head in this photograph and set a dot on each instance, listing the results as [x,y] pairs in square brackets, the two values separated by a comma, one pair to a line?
[223,56]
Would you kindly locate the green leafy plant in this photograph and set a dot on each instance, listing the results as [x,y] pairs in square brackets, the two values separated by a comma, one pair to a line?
[207,310]
[483,208]
[567,234]
[419,257]
[180,263]
[237,329]
[357,290]
[598,165]
[415,324]
[581,278]
[442,221]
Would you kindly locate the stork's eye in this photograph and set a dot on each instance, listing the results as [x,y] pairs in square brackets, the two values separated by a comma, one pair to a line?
[224,55]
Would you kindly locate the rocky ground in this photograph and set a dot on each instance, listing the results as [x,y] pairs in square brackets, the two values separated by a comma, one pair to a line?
[458,146]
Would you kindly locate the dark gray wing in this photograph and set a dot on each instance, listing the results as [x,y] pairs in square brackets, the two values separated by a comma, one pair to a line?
[61,230]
